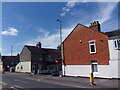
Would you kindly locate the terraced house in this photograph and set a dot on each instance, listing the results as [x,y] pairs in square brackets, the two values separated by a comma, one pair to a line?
[87,49]
[9,62]
[36,59]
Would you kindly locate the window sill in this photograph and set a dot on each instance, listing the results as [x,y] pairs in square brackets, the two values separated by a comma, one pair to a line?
[93,53]
[117,48]
[95,72]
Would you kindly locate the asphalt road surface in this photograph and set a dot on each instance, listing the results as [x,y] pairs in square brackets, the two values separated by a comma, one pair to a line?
[25,81]
[15,81]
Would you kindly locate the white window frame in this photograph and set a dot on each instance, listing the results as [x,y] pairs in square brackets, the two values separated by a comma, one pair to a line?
[94,63]
[116,41]
[90,46]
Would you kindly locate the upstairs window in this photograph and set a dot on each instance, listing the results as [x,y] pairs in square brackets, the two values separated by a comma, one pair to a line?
[92,47]
[40,57]
[117,43]
[12,63]
[50,58]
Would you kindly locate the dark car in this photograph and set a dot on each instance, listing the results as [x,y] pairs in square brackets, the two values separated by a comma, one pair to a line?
[56,73]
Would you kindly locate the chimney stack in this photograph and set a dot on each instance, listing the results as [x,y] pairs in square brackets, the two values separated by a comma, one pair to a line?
[18,55]
[38,45]
[58,47]
[95,26]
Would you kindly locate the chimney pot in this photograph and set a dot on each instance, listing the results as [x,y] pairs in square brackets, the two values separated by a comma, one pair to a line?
[39,45]
[95,26]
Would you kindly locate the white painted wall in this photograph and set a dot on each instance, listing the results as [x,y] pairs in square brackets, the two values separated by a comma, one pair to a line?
[1,65]
[114,54]
[26,67]
[104,71]
[77,70]
[114,58]
[114,69]
[0,68]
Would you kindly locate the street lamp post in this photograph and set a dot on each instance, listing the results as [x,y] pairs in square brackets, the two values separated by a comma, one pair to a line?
[60,31]
[61,43]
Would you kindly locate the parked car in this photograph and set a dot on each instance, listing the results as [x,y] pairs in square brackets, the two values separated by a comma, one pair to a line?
[56,73]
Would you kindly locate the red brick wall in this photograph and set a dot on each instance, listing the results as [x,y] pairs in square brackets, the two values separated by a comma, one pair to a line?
[76,53]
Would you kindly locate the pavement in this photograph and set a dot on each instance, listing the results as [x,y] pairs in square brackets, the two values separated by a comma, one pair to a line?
[67,82]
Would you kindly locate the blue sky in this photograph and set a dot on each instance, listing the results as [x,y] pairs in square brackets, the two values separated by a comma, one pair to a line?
[26,23]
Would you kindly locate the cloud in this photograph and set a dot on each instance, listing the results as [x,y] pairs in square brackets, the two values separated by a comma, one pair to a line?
[106,11]
[69,6]
[10,31]
[49,41]
[2,50]
[72,3]
[15,53]
[43,31]
[66,9]
[63,14]
[103,14]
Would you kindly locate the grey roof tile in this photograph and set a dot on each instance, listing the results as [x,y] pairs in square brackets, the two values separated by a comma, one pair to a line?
[113,33]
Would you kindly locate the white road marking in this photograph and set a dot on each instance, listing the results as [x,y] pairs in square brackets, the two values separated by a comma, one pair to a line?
[16,87]
[3,83]
[20,81]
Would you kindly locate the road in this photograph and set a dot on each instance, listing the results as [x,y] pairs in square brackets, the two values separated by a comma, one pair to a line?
[27,81]
[13,80]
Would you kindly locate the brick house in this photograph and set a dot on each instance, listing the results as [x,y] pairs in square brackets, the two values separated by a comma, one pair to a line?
[86,50]
[36,59]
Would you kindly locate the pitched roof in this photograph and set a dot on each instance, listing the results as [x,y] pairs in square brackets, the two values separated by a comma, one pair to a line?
[113,33]
[5,58]
[51,51]
[36,50]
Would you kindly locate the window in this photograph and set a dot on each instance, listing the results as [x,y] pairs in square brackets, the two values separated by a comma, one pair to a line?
[40,57]
[117,43]
[94,66]
[92,47]
[50,58]
[21,67]
[12,63]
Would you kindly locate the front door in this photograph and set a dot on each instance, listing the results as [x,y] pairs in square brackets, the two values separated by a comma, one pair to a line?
[34,69]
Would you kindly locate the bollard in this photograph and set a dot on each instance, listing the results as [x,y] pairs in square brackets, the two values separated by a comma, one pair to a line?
[91,79]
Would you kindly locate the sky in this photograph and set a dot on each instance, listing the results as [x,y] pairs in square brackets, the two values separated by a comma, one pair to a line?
[26,23]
